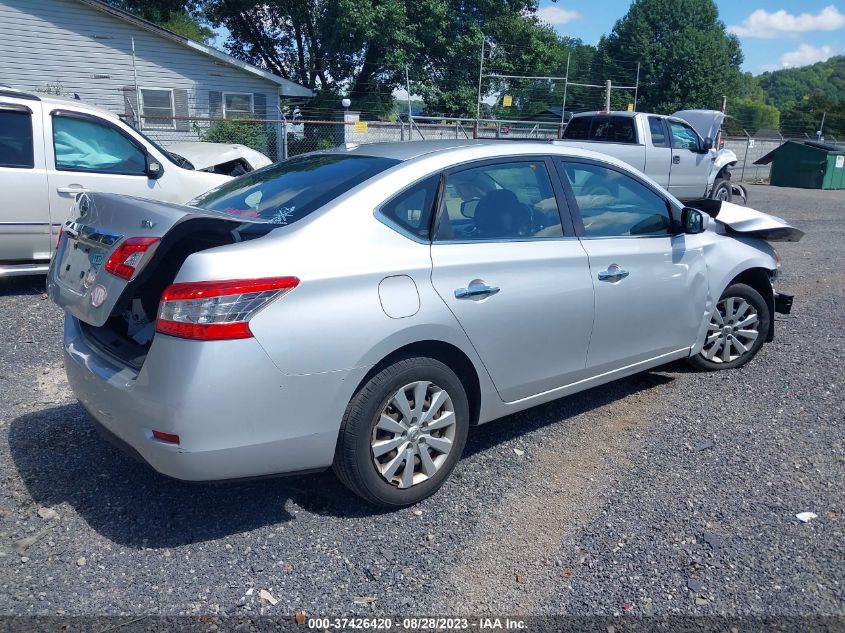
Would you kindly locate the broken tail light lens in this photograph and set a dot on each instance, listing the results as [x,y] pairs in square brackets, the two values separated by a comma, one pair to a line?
[130,256]
[217,310]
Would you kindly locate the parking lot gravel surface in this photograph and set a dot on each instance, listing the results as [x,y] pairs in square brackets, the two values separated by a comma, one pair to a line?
[670,492]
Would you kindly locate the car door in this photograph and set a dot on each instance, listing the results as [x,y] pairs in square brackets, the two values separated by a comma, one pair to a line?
[506,263]
[89,153]
[690,162]
[650,288]
[25,212]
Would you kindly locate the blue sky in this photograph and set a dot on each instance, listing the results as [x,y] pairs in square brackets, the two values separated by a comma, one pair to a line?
[779,34]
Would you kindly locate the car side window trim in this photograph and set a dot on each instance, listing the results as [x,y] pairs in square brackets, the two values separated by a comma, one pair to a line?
[561,161]
[560,200]
[72,114]
[21,110]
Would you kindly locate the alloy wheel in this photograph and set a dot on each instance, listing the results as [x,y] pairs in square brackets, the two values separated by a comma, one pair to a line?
[414,434]
[732,331]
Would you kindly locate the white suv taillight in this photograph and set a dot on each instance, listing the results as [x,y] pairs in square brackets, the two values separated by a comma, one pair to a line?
[217,310]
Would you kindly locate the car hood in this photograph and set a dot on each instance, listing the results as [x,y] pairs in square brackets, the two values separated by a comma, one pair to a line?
[749,222]
[204,155]
[706,122]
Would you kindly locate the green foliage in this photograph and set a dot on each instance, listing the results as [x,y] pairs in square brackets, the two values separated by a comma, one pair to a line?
[788,87]
[359,48]
[749,88]
[186,25]
[806,116]
[183,17]
[753,115]
[687,58]
[250,133]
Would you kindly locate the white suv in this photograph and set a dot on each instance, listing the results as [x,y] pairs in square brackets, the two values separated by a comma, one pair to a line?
[52,149]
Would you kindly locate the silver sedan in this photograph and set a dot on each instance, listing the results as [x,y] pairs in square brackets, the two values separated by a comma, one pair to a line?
[363,308]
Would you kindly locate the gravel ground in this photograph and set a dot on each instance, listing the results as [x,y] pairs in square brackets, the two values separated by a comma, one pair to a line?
[670,492]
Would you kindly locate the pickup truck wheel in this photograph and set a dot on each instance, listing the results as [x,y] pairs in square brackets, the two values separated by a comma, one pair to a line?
[721,190]
[737,330]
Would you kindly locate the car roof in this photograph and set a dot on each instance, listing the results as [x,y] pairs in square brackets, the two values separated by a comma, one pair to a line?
[622,113]
[478,148]
[54,100]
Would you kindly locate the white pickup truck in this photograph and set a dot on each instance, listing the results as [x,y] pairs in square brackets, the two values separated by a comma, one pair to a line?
[675,151]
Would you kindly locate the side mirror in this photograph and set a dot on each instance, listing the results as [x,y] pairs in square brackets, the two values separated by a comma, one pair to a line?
[154,168]
[708,144]
[694,221]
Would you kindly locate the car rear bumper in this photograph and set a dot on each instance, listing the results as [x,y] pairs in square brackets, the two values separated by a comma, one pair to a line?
[235,413]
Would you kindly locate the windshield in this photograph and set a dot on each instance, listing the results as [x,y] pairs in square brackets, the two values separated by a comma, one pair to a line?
[288,191]
[179,161]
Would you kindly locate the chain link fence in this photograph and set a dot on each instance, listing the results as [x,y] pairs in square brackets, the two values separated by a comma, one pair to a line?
[281,138]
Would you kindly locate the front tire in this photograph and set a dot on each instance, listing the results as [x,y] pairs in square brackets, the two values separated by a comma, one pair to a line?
[403,432]
[722,190]
[737,330]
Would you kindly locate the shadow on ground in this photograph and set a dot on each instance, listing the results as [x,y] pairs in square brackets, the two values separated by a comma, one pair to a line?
[21,286]
[61,458]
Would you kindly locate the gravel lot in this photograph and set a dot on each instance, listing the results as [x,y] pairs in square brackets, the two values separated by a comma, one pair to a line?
[669,492]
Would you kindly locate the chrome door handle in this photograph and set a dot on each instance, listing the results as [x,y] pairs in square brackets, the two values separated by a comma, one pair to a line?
[613,273]
[71,189]
[479,290]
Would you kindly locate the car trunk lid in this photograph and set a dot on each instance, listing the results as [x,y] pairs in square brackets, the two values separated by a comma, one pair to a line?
[78,280]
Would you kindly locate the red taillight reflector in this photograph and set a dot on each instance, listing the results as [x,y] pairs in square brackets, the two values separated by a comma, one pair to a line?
[170,438]
[129,255]
[210,332]
[59,237]
[217,310]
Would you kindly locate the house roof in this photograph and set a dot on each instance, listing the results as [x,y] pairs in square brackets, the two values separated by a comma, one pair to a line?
[287,88]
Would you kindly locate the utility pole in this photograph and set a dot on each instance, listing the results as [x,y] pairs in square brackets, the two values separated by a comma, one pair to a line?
[821,127]
[607,90]
[565,86]
[637,87]
[480,75]
[410,119]
[724,103]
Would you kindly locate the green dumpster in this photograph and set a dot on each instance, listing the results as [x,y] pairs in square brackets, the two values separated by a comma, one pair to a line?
[806,164]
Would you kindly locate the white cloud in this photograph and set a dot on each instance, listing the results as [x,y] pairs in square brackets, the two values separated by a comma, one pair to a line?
[805,55]
[767,25]
[556,15]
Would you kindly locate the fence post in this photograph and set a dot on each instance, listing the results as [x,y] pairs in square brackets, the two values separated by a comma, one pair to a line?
[745,160]
[284,139]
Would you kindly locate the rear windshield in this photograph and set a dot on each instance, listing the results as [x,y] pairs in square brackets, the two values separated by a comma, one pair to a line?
[288,191]
[609,129]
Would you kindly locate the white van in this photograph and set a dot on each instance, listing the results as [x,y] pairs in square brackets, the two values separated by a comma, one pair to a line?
[52,149]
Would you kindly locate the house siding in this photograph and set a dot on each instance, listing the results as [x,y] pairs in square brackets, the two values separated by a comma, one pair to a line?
[89,52]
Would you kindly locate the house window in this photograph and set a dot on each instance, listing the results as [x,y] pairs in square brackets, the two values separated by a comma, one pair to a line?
[157,109]
[237,105]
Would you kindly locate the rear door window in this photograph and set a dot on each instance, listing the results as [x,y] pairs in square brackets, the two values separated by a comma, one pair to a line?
[614,129]
[288,191]
[501,201]
[16,148]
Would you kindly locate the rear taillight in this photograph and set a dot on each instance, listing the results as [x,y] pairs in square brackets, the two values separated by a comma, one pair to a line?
[217,310]
[59,237]
[130,256]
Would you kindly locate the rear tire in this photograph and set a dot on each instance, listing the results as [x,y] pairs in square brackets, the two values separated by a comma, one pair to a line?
[721,190]
[737,330]
[402,433]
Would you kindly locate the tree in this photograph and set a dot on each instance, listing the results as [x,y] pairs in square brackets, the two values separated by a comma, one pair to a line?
[360,48]
[788,87]
[180,16]
[805,117]
[687,59]
[753,115]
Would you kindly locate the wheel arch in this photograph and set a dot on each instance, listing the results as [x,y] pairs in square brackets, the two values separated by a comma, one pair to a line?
[448,354]
[759,278]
